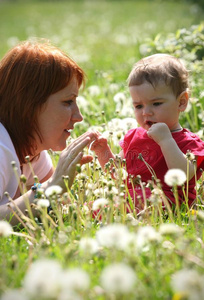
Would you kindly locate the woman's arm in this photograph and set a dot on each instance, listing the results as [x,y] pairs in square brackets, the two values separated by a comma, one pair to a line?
[68,160]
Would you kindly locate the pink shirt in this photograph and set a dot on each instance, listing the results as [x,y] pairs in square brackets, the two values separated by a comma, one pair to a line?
[136,142]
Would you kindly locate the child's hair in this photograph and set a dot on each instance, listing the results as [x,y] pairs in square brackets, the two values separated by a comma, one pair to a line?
[160,68]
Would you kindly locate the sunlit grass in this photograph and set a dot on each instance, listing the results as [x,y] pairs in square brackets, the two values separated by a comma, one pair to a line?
[106,38]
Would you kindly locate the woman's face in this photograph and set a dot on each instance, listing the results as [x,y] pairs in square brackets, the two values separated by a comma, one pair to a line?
[57,117]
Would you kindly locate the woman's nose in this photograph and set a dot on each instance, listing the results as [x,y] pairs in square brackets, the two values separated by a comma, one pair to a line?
[77,116]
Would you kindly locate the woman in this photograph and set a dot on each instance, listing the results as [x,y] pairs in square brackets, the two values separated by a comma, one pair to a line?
[39,85]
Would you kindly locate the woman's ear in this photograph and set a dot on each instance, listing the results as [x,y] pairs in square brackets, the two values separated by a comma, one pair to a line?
[183,100]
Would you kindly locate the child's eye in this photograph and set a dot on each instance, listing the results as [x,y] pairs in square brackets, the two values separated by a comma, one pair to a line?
[157,103]
[138,106]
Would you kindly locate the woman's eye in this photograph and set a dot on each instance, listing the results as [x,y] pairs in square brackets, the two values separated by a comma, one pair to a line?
[68,102]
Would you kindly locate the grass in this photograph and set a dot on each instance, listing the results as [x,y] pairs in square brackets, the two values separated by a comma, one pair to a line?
[106,38]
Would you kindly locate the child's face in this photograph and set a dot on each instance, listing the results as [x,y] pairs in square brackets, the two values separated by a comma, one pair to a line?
[155,105]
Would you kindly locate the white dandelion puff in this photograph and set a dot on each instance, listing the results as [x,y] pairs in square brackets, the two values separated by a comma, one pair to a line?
[146,236]
[14,294]
[99,203]
[113,235]
[118,278]
[69,295]
[43,277]
[188,282]
[5,229]
[175,177]
[119,97]
[170,229]
[94,90]
[53,190]
[88,245]
[200,215]
[75,280]
[43,203]
[62,237]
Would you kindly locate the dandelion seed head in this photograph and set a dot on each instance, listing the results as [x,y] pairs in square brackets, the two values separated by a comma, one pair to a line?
[65,295]
[113,87]
[75,280]
[200,215]
[43,277]
[119,97]
[5,229]
[146,236]
[94,90]
[43,203]
[118,278]
[170,229]
[99,203]
[14,294]
[88,245]
[175,177]
[189,282]
[53,190]
[112,236]
[62,237]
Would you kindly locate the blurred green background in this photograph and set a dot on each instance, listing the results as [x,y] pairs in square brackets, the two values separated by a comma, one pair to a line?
[102,36]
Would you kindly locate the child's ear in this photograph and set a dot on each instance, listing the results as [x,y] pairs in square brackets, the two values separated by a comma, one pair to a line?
[183,100]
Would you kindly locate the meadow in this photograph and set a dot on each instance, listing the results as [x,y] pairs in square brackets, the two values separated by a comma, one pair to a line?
[93,248]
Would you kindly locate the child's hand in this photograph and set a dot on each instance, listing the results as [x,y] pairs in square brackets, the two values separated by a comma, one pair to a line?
[159,132]
[99,145]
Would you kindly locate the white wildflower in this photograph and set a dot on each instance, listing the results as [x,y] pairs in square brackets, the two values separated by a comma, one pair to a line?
[168,245]
[5,229]
[170,229]
[119,97]
[156,196]
[62,237]
[74,280]
[121,174]
[83,103]
[113,235]
[69,295]
[88,245]
[146,236]
[118,278]
[94,90]
[200,215]
[99,203]
[113,87]
[43,203]
[129,123]
[14,294]
[190,155]
[43,277]
[190,283]
[175,177]
[53,190]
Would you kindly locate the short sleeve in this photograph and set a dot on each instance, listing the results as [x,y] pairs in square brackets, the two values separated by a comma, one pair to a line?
[41,167]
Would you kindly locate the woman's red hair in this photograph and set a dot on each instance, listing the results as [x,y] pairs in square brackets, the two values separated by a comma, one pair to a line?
[29,74]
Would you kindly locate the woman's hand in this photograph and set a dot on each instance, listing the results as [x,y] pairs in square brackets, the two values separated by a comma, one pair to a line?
[69,158]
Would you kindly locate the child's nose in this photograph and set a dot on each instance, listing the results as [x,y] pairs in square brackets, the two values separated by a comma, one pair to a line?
[147,111]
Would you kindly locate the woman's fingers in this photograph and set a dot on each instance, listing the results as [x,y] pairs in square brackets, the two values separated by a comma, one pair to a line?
[72,168]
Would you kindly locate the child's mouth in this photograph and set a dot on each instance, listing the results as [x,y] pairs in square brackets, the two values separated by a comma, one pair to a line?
[150,123]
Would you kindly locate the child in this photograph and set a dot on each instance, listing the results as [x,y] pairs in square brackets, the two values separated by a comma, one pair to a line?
[158,85]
